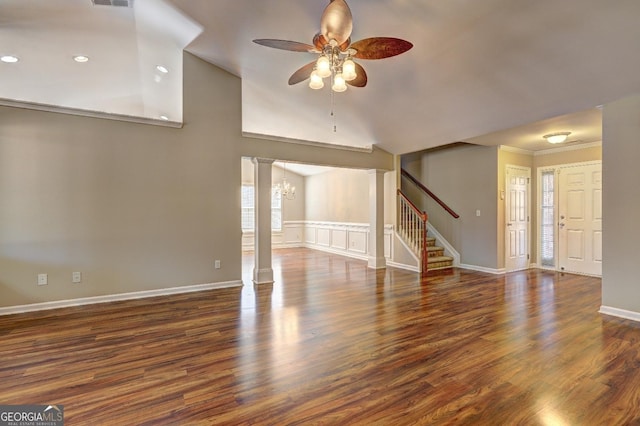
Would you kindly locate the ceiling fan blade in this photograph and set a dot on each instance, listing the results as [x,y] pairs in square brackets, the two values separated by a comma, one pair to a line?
[292,46]
[361,77]
[336,22]
[380,47]
[302,74]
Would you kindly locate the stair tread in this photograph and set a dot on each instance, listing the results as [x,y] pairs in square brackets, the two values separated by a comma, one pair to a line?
[440,259]
[435,248]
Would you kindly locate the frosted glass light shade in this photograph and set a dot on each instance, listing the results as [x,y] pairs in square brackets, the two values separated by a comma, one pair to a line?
[339,85]
[323,67]
[315,81]
[349,70]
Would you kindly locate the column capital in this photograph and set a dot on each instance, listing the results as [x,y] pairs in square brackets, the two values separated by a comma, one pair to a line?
[258,160]
[377,171]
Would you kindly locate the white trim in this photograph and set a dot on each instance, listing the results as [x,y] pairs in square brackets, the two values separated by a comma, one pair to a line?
[33,307]
[620,313]
[547,268]
[403,266]
[367,149]
[442,242]
[567,148]
[88,113]
[516,150]
[500,271]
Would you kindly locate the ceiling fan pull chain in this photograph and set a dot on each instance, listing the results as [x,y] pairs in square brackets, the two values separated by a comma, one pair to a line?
[333,114]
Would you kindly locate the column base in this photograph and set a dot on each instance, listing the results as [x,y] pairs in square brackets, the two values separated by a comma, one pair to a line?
[377,263]
[263,276]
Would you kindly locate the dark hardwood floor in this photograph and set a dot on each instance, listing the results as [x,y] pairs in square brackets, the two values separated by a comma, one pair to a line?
[332,342]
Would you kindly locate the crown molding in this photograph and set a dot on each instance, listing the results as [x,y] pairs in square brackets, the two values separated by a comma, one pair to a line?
[567,148]
[516,150]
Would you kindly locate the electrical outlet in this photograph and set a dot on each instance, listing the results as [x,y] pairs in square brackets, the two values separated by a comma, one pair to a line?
[43,279]
[217,264]
[76,277]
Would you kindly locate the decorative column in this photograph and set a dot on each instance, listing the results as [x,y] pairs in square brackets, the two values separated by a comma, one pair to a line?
[262,270]
[376,220]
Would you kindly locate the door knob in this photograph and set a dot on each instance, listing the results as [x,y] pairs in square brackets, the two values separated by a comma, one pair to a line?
[509,224]
[561,225]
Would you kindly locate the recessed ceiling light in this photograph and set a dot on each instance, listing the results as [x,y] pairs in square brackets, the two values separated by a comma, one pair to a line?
[9,59]
[162,69]
[164,117]
[81,58]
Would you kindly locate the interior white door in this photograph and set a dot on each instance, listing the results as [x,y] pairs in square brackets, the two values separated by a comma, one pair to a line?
[517,218]
[580,219]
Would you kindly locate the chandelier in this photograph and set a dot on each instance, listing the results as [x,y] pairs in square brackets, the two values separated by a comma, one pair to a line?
[335,64]
[285,189]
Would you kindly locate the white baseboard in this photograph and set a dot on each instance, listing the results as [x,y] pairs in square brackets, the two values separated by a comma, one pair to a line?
[483,269]
[620,313]
[345,253]
[403,266]
[9,310]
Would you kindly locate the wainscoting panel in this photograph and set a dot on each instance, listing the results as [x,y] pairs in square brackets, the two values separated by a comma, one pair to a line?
[309,234]
[347,239]
[293,234]
[324,237]
[339,239]
[358,241]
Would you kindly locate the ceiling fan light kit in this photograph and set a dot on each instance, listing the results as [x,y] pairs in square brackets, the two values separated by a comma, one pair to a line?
[337,53]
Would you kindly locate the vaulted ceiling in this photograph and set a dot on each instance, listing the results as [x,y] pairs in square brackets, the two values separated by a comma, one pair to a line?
[478,71]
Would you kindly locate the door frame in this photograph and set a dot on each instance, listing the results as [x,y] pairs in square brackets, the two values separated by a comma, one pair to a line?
[556,202]
[528,200]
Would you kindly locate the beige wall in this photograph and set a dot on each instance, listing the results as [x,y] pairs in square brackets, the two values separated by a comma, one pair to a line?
[340,195]
[134,207]
[465,178]
[621,201]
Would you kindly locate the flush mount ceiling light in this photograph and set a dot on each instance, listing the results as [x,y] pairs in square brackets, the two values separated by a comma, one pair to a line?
[558,137]
[162,69]
[164,117]
[9,59]
[81,58]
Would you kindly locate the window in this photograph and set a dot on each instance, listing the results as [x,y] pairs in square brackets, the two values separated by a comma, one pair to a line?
[248,208]
[547,220]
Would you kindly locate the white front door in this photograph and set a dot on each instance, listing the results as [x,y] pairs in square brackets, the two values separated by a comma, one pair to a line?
[580,219]
[517,218]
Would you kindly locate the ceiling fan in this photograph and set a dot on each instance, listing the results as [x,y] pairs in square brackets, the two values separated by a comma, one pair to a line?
[337,53]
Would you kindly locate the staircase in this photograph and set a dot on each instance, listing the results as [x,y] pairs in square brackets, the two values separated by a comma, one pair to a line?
[436,256]
[412,228]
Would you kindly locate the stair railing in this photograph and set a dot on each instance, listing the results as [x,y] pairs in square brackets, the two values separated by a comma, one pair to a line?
[424,189]
[412,227]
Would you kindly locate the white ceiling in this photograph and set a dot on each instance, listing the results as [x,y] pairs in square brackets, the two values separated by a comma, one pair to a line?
[478,72]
